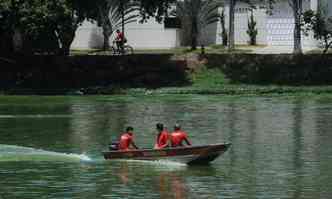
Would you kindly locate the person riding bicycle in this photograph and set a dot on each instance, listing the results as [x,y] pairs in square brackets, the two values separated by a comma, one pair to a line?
[120,40]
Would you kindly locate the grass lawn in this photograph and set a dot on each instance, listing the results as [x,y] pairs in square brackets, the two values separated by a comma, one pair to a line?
[319,51]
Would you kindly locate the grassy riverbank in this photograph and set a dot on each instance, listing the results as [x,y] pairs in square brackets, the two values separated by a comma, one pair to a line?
[191,73]
[211,82]
[205,81]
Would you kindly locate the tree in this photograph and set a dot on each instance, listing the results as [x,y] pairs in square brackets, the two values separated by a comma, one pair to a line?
[57,20]
[297,8]
[321,25]
[110,16]
[155,8]
[5,41]
[252,30]
[198,14]
[232,4]
[231,36]
[296,5]
[224,34]
[52,20]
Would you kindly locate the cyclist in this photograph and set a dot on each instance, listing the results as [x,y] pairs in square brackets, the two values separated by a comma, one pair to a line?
[120,40]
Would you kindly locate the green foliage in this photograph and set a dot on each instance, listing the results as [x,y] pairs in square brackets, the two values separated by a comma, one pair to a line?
[51,25]
[45,24]
[155,8]
[320,25]
[252,30]
[209,78]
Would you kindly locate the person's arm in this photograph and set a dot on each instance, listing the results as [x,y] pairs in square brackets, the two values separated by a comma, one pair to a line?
[134,145]
[186,139]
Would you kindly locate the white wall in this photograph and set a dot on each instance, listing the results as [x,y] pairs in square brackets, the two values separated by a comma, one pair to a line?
[280,26]
[241,24]
[150,35]
[88,35]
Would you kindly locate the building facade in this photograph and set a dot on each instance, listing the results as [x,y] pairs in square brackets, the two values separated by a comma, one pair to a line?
[274,29]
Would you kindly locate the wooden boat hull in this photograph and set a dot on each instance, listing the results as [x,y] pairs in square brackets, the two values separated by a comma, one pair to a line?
[188,155]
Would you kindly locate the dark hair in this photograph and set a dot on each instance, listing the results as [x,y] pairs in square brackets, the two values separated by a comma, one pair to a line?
[160,126]
[177,126]
[129,128]
[117,30]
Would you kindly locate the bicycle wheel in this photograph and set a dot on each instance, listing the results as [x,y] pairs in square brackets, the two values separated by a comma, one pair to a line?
[113,50]
[128,50]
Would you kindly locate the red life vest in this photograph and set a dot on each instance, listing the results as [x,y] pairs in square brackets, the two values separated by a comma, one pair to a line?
[162,140]
[125,141]
[177,137]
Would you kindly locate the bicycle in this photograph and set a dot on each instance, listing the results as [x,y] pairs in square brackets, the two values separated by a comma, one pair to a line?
[127,49]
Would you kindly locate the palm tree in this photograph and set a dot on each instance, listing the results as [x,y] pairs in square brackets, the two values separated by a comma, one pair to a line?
[114,14]
[197,14]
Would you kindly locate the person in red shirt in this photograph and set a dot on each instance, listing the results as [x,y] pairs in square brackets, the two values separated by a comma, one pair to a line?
[120,39]
[127,140]
[162,138]
[178,136]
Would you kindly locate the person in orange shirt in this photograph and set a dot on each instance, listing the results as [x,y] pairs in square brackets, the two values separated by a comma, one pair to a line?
[127,140]
[178,137]
[162,138]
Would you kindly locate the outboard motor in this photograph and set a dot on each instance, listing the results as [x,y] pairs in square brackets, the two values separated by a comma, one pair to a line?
[114,146]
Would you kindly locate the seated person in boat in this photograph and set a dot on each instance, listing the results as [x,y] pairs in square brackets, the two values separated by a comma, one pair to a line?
[127,140]
[178,137]
[162,138]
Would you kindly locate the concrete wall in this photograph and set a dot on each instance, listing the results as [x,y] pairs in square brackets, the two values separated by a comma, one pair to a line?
[241,24]
[151,35]
[88,35]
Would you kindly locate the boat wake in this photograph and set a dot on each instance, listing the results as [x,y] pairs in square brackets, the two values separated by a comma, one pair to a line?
[10,153]
[33,116]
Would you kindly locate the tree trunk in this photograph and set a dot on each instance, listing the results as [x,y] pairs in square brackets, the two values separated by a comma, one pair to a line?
[6,44]
[231,42]
[194,34]
[107,32]
[106,44]
[66,37]
[106,25]
[297,10]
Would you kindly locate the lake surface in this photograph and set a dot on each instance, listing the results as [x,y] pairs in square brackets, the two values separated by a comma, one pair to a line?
[50,147]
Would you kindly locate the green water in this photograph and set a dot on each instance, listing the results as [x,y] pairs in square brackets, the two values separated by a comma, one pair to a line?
[50,147]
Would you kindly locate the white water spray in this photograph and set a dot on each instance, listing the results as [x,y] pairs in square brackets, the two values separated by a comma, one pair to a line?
[19,153]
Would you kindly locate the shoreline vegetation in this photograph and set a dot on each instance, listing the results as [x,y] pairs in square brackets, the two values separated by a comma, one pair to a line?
[231,90]
[180,72]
